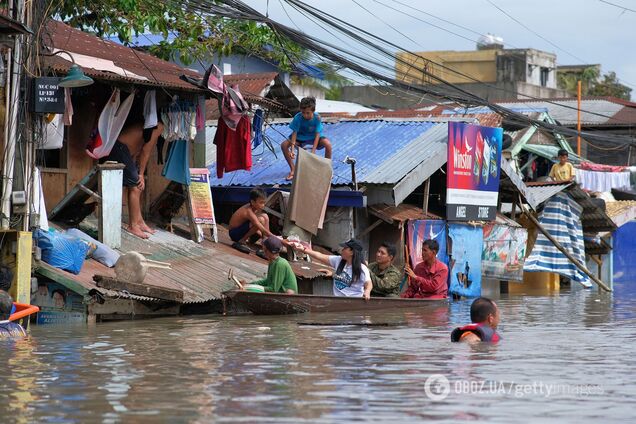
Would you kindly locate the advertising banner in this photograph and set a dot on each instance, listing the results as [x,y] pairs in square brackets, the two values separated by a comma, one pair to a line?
[465,266]
[420,230]
[504,252]
[473,168]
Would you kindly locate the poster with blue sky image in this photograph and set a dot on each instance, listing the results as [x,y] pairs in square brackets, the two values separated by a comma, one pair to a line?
[466,245]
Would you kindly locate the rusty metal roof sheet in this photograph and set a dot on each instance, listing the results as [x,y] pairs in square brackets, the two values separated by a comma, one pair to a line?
[594,110]
[199,270]
[400,213]
[136,67]
[10,26]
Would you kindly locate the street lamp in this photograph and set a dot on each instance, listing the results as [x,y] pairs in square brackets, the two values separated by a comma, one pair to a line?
[75,76]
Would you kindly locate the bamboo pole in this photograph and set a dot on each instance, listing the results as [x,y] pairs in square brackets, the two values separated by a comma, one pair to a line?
[578,118]
[566,253]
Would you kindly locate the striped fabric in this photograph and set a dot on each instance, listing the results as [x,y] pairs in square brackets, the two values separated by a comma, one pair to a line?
[561,217]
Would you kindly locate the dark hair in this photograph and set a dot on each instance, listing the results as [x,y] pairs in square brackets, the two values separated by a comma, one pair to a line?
[562,152]
[308,102]
[481,308]
[257,193]
[431,244]
[6,304]
[390,248]
[356,264]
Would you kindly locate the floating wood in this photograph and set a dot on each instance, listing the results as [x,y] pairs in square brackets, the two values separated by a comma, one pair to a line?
[139,289]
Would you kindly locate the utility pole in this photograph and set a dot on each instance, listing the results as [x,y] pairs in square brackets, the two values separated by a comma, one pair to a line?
[14,72]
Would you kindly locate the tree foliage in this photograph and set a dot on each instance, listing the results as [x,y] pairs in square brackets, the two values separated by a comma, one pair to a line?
[592,84]
[187,35]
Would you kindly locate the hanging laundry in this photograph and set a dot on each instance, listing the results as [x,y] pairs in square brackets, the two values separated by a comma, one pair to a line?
[150,109]
[232,104]
[257,126]
[53,137]
[39,207]
[177,167]
[310,191]
[178,121]
[68,107]
[200,119]
[111,122]
[602,181]
[233,150]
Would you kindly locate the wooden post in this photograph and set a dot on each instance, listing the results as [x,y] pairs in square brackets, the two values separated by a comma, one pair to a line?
[110,177]
[566,253]
[578,118]
[427,189]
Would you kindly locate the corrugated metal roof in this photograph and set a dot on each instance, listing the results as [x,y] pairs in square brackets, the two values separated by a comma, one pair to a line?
[141,68]
[199,270]
[542,191]
[550,152]
[385,151]
[565,110]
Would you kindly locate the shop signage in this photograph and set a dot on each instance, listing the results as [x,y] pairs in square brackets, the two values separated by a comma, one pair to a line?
[48,96]
[473,168]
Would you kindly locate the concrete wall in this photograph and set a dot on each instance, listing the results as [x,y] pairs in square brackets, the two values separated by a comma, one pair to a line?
[301,91]
[478,64]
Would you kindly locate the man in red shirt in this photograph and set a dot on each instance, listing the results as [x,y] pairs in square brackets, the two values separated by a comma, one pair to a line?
[428,280]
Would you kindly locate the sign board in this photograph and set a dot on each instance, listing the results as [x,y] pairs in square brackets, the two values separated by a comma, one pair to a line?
[504,252]
[48,96]
[200,201]
[473,169]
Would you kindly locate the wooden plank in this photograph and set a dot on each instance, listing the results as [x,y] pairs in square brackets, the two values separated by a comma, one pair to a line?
[90,192]
[56,275]
[75,196]
[370,228]
[139,289]
[53,186]
[427,191]
[111,189]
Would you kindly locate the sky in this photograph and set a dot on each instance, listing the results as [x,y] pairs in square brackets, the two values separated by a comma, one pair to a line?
[577,31]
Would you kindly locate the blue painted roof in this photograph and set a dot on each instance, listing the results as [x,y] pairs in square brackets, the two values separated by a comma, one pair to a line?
[385,152]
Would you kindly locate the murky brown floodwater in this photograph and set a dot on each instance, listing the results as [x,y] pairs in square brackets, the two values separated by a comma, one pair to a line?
[277,369]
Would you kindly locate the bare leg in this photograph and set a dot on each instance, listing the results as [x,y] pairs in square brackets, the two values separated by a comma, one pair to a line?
[134,213]
[324,142]
[253,230]
[288,157]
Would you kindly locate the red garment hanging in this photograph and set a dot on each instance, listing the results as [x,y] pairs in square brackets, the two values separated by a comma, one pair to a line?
[233,148]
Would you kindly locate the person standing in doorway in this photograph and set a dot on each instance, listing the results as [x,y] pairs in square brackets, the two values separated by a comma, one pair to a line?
[133,149]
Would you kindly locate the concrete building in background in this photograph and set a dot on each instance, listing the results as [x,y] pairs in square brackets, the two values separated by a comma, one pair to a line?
[490,71]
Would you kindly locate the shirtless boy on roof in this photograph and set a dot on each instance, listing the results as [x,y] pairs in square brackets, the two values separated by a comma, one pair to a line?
[249,220]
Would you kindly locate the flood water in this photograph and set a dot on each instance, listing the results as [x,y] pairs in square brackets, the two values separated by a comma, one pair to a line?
[568,358]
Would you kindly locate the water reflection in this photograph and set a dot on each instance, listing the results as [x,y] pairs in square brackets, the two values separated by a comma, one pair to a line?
[281,369]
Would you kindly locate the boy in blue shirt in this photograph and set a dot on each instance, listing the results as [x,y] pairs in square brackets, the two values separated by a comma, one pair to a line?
[306,130]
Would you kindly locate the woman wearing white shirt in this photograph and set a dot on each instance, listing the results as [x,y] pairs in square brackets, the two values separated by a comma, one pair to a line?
[351,277]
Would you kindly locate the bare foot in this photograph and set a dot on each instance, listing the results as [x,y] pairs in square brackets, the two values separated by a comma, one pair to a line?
[137,232]
[144,227]
[290,176]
